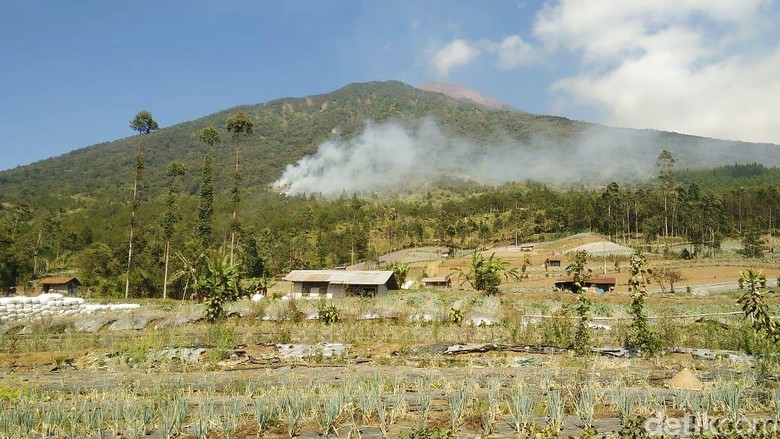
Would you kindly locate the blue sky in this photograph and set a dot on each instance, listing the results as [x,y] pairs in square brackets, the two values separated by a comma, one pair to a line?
[74,73]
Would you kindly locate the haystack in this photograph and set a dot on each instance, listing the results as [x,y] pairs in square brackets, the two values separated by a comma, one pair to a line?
[685,380]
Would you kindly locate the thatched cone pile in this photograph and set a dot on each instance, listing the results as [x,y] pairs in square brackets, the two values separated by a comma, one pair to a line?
[685,380]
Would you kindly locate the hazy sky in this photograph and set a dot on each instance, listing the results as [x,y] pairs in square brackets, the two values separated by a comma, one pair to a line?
[73,73]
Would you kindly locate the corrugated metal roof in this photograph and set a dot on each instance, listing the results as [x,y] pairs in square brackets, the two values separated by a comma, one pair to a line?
[340,277]
[57,280]
[309,275]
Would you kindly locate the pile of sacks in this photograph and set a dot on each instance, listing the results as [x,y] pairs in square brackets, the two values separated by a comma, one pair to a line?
[50,305]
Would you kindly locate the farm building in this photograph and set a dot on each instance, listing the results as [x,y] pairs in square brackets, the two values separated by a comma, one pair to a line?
[62,285]
[436,282]
[340,283]
[599,284]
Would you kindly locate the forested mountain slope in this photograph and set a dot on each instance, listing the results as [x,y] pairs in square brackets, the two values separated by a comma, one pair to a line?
[285,130]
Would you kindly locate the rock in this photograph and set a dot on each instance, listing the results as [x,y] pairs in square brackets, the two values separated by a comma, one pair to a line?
[91,324]
[424,317]
[136,323]
[185,355]
[481,320]
[378,314]
[177,320]
[92,307]
[241,313]
[305,351]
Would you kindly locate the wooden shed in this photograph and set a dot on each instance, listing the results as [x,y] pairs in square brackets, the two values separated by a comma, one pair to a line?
[62,285]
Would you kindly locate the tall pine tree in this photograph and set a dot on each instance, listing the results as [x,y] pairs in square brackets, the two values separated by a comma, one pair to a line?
[143,123]
[171,216]
[238,125]
[210,136]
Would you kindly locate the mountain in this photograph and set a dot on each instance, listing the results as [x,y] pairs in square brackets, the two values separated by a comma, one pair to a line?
[462,93]
[288,129]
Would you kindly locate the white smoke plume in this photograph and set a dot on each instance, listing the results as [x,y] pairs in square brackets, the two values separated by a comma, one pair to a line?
[389,156]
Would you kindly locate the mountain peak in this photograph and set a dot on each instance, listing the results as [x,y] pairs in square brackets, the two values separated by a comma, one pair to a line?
[462,93]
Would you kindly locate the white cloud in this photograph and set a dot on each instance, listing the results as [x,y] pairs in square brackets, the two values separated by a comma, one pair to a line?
[513,52]
[705,67]
[457,53]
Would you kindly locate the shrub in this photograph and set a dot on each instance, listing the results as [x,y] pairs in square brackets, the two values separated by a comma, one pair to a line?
[222,339]
[581,273]
[218,283]
[455,316]
[558,330]
[485,273]
[292,312]
[328,314]
[639,336]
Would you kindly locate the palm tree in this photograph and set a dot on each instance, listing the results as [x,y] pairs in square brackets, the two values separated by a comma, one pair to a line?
[238,125]
[485,273]
[189,271]
[143,123]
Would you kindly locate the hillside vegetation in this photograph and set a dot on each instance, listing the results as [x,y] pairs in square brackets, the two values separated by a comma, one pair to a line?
[72,213]
[288,129]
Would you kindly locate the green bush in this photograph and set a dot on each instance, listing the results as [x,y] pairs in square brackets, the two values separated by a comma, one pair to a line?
[328,314]
[559,330]
[455,316]
[222,339]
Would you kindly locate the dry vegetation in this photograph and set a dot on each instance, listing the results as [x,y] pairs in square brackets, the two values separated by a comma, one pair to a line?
[393,379]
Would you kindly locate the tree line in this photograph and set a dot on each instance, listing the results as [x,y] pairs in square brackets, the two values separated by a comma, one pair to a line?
[149,246]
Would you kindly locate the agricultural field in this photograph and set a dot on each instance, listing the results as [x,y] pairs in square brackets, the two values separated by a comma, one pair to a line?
[418,363]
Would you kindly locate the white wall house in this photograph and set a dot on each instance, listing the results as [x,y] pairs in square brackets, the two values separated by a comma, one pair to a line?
[340,283]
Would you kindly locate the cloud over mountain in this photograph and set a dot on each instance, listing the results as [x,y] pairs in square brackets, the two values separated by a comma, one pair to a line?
[694,66]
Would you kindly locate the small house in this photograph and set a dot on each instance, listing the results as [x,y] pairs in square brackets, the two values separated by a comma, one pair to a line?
[61,285]
[340,283]
[437,282]
[599,284]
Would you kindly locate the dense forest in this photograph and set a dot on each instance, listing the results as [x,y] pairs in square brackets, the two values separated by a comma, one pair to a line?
[73,214]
